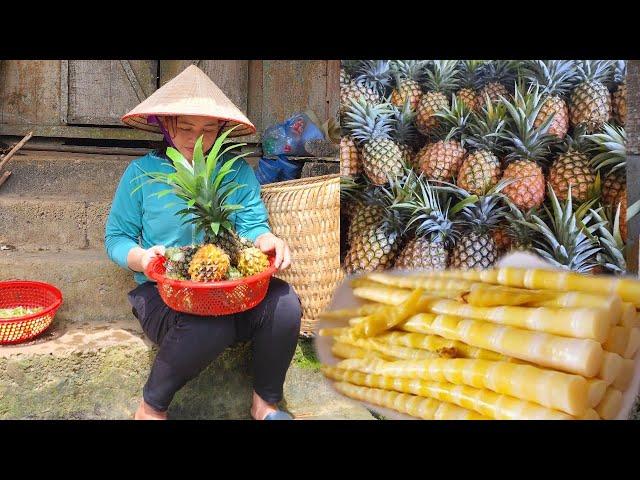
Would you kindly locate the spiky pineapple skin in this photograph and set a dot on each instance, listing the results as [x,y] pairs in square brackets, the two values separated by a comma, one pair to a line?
[441,160]
[381,157]
[422,254]
[364,217]
[408,154]
[209,264]
[614,193]
[430,103]
[408,89]
[373,250]
[470,98]
[480,170]
[493,90]
[528,189]
[590,105]
[572,169]
[178,260]
[556,106]
[350,159]
[502,240]
[252,261]
[354,90]
[474,251]
[619,104]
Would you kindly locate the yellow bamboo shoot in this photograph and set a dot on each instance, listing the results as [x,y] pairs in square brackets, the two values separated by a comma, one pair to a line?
[628,317]
[633,344]
[413,281]
[392,351]
[387,295]
[437,344]
[573,355]
[610,405]
[333,332]
[552,389]
[420,407]
[610,303]
[485,402]
[343,313]
[344,350]
[591,414]
[610,367]
[623,380]
[617,340]
[486,295]
[596,391]
[389,317]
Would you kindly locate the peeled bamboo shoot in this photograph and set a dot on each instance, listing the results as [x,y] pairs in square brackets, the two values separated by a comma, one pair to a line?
[389,317]
[610,367]
[552,389]
[617,340]
[623,380]
[388,350]
[413,282]
[344,350]
[596,391]
[486,295]
[633,344]
[610,405]
[420,407]
[628,317]
[573,355]
[485,402]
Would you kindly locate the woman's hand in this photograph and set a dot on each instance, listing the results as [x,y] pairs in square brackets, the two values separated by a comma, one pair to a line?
[268,242]
[149,254]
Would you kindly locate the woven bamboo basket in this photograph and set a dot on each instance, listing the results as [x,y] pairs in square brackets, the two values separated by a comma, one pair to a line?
[306,213]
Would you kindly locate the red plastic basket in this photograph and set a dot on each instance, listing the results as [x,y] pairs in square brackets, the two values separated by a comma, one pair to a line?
[23,293]
[210,299]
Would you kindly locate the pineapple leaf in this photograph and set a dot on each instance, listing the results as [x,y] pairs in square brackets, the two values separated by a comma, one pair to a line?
[215,227]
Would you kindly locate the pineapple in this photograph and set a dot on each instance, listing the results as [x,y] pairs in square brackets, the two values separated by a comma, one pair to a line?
[252,261]
[233,274]
[611,257]
[572,168]
[612,160]
[566,239]
[555,77]
[350,157]
[527,146]
[372,79]
[374,245]
[493,77]
[476,248]
[469,83]
[409,75]
[405,133]
[442,159]
[433,230]
[619,95]
[440,82]
[371,126]
[520,236]
[590,103]
[178,260]
[201,185]
[209,264]
[480,169]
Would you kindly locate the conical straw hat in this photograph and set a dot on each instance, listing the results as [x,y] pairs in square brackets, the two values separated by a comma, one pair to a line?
[191,92]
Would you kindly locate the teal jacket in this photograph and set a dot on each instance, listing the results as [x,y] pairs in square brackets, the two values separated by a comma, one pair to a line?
[140,219]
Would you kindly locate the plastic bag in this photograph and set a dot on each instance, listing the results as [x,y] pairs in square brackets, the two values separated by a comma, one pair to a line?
[277,170]
[288,138]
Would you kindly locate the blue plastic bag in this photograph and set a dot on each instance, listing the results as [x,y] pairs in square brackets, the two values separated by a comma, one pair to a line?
[288,138]
[277,170]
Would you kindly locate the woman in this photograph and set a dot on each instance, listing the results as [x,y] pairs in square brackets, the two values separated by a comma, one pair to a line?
[140,226]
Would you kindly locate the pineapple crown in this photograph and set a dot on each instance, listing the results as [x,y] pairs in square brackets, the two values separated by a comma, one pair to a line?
[442,76]
[484,214]
[369,121]
[201,186]
[404,129]
[567,238]
[375,74]
[454,121]
[593,70]
[524,140]
[398,190]
[497,71]
[352,189]
[517,224]
[555,77]
[577,141]
[409,69]
[469,73]
[612,255]
[487,126]
[426,215]
[350,67]
[618,73]
[611,145]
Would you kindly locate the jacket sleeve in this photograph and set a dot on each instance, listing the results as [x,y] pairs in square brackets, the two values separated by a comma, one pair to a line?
[124,224]
[253,220]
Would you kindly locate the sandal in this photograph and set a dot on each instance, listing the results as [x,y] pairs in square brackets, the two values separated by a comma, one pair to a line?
[278,415]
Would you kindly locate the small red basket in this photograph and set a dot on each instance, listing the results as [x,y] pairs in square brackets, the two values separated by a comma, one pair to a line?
[30,294]
[214,298]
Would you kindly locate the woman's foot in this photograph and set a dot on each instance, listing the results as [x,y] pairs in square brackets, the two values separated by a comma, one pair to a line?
[260,409]
[147,412]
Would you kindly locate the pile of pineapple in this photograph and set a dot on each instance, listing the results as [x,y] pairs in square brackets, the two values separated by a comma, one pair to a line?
[213,263]
[451,163]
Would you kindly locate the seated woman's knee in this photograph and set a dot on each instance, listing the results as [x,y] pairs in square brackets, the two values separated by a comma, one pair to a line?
[288,308]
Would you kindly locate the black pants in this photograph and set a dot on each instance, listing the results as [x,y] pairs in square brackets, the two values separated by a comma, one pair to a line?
[188,343]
